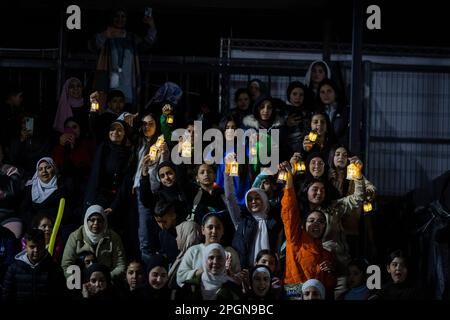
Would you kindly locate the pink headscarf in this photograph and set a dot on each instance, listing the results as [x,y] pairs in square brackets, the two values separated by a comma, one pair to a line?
[65,105]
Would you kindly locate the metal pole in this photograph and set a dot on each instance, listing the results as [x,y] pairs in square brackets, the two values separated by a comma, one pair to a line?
[61,54]
[356,95]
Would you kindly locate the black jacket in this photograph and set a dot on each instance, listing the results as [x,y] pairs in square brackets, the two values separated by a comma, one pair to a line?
[23,282]
[245,235]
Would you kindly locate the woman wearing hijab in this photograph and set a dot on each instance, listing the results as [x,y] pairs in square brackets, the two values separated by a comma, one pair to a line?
[95,236]
[98,284]
[110,181]
[213,283]
[256,230]
[70,104]
[42,192]
[188,234]
[313,289]
[317,71]
[260,281]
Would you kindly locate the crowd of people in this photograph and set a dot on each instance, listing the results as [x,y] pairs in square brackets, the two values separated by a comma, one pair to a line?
[140,227]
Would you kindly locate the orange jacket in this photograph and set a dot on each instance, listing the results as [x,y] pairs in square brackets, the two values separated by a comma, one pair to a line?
[304,254]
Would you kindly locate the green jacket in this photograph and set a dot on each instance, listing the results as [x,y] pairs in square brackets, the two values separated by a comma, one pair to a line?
[109,251]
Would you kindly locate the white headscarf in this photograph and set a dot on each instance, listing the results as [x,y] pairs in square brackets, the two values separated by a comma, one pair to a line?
[314,283]
[307,79]
[262,235]
[93,237]
[40,190]
[212,283]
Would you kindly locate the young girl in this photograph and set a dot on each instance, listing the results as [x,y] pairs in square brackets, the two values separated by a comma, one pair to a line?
[313,289]
[356,281]
[305,256]
[317,71]
[260,283]
[320,124]
[191,264]
[45,223]
[213,283]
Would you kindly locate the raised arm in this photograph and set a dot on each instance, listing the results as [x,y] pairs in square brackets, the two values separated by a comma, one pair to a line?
[231,201]
[290,213]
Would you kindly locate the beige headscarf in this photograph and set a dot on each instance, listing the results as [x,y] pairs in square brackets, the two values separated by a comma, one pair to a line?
[188,234]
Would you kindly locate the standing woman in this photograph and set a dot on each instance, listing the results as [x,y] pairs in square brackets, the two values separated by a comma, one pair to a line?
[330,101]
[298,114]
[338,160]
[317,71]
[320,124]
[118,60]
[70,105]
[109,183]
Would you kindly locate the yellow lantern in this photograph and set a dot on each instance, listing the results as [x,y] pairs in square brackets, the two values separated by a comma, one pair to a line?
[367,206]
[253,151]
[300,167]
[186,151]
[153,152]
[312,136]
[95,106]
[282,176]
[169,119]
[353,171]
[160,141]
[234,169]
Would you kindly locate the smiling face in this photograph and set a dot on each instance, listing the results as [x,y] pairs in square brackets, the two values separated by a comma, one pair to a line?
[35,251]
[167,176]
[45,172]
[205,176]
[319,124]
[148,126]
[265,110]
[96,223]
[212,230]
[46,225]
[316,167]
[340,158]
[116,133]
[215,262]
[297,97]
[255,202]
[315,224]
[135,275]
[260,283]
[316,193]
[398,270]
[75,89]
[157,277]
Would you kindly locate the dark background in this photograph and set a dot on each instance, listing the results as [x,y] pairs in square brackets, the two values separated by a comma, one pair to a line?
[194,27]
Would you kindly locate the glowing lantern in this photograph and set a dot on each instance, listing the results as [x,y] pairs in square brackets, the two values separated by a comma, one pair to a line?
[170,119]
[300,167]
[95,106]
[367,206]
[153,152]
[312,136]
[354,171]
[282,176]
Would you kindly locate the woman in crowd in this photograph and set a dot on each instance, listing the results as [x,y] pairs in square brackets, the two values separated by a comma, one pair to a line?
[213,283]
[95,236]
[317,71]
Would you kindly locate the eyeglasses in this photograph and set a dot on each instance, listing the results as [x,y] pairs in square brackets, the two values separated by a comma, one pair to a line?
[98,220]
